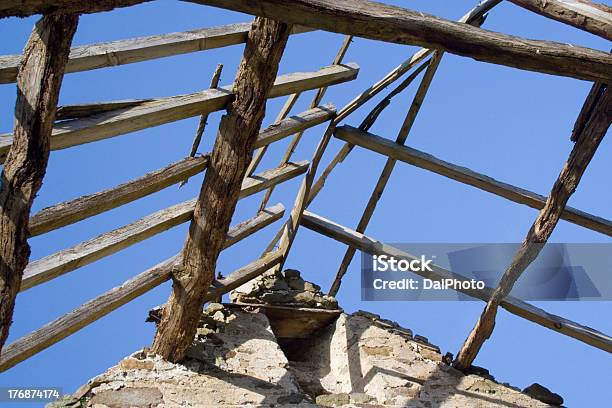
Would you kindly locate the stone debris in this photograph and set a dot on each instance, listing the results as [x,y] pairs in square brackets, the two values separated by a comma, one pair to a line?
[286,289]
[543,394]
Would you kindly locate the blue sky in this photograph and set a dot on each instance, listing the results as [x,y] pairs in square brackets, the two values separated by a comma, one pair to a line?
[512,125]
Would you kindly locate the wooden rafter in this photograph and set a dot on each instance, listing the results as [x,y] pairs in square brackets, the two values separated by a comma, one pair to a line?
[25,8]
[586,15]
[565,185]
[467,176]
[383,22]
[219,194]
[513,305]
[38,86]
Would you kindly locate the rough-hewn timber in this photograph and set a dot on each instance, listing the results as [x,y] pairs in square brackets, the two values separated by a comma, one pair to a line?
[72,211]
[25,8]
[383,22]
[38,86]
[511,304]
[132,50]
[565,185]
[165,110]
[467,176]
[586,15]
[219,194]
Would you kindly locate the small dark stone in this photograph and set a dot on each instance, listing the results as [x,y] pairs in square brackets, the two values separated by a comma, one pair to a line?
[543,394]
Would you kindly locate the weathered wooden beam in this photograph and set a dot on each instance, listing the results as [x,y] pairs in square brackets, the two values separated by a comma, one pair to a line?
[383,22]
[581,155]
[513,305]
[586,15]
[67,260]
[72,211]
[467,176]
[38,87]
[104,304]
[165,110]
[387,170]
[26,8]
[219,194]
[132,50]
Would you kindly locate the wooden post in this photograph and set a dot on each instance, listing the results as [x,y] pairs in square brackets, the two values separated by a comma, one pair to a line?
[221,188]
[385,175]
[594,18]
[38,85]
[565,185]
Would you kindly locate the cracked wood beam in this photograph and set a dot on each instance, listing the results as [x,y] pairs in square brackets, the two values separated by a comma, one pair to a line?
[565,185]
[466,176]
[38,86]
[219,194]
[72,211]
[170,109]
[133,50]
[26,8]
[513,305]
[70,323]
[387,170]
[595,18]
[383,22]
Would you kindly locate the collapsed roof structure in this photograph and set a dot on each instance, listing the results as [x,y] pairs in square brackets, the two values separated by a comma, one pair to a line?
[230,169]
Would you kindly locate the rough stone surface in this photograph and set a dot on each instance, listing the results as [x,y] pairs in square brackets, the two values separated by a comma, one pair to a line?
[285,289]
[359,360]
[543,394]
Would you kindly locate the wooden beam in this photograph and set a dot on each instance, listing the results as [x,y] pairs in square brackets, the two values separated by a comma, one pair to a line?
[383,22]
[38,87]
[26,8]
[387,170]
[165,110]
[515,306]
[219,194]
[132,50]
[104,304]
[586,15]
[67,260]
[72,211]
[581,155]
[467,176]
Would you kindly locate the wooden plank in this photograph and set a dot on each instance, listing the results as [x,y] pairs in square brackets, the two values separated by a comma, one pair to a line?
[383,22]
[38,87]
[467,176]
[132,50]
[387,170]
[72,211]
[586,15]
[25,8]
[67,260]
[165,110]
[515,306]
[104,304]
[218,196]
[581,155]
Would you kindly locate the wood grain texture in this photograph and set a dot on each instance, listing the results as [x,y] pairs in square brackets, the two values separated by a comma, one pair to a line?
[133,50]
[581,155]
[595,18]
[515,306]
[25,8]
[467,176]
[170,109]
[215,206]
[383,22]
[38,86]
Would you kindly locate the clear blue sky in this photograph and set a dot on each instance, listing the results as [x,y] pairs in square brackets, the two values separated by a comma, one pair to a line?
[513,125]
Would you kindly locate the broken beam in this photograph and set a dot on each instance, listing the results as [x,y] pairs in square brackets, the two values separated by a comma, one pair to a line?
[466,176]
[383,22]
[26,8]
[170,109]
[513,305]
